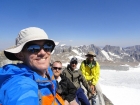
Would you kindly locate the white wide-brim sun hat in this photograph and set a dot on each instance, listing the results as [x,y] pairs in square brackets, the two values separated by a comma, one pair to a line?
[26,35]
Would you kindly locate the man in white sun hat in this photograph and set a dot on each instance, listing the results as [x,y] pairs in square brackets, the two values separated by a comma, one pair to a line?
[91,71]
[31,82]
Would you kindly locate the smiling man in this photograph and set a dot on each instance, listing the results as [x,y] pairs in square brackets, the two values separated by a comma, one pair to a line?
[31,82]
[66,89]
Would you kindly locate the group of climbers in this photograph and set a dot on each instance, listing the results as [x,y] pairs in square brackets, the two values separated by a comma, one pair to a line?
[34,82]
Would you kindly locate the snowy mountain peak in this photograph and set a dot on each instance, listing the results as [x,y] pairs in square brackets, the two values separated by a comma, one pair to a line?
[108,53]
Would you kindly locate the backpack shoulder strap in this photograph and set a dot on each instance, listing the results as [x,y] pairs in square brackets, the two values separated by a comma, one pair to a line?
[94,63]
[39,96]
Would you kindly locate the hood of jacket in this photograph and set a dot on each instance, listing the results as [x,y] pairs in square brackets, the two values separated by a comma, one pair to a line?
[10,70]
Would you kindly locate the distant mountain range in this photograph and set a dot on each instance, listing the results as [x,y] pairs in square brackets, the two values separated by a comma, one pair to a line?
[113,55]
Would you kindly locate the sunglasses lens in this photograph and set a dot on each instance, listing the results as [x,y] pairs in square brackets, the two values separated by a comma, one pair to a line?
[57,68]
[90,55]
[33,48]
[48,47]
[74,62]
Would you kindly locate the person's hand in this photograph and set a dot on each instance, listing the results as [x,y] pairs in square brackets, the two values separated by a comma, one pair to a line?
[93,89]
[66,102]
[73,102]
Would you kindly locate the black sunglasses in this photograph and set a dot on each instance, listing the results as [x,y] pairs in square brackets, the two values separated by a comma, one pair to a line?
[57,68]
[74,62]
[34,48]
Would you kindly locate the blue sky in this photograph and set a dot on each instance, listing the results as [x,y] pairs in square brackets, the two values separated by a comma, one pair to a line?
[73,22]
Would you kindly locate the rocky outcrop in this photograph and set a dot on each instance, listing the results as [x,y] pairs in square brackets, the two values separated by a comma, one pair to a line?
[107,101]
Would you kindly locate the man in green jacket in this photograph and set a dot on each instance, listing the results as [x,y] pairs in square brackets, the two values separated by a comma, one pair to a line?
[76,77]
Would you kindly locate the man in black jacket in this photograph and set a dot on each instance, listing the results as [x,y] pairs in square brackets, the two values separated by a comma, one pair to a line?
[66,89]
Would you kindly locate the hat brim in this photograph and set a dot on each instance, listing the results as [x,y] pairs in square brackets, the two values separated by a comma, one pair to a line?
[90,54]
[10,53]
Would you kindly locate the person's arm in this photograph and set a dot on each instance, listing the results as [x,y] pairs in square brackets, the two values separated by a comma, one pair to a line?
[84,82]
[66,74]
[96,73]
[71,91]
[19,90]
